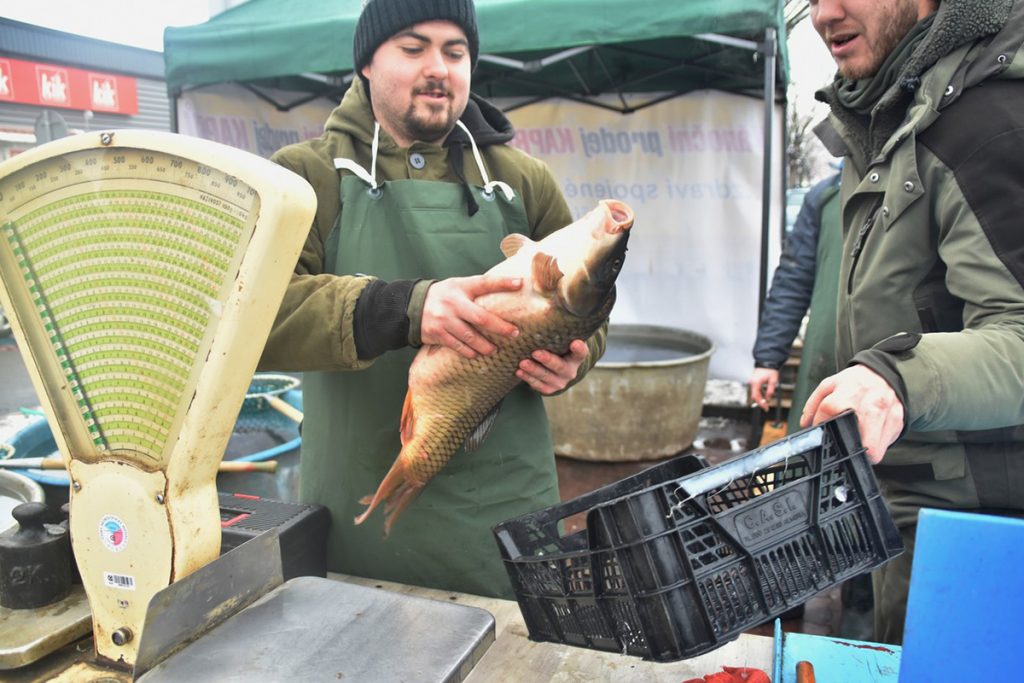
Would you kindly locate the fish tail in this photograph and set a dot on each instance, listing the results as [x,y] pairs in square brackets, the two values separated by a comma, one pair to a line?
[404,495]
[396,491]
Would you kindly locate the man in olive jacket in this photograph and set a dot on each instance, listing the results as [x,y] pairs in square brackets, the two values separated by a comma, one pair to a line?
[416,189]
[928,110]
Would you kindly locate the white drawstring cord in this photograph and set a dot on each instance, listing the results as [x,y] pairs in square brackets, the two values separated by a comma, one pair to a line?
[373,152]
[370,178]
[489,185]
[349,165]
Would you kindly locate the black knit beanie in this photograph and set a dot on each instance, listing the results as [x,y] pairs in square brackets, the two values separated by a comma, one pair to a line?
[382,19]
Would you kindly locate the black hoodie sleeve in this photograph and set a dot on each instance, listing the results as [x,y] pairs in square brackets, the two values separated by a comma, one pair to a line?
[381,321]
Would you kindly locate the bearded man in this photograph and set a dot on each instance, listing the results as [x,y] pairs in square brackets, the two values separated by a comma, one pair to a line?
[416,188]
[927,109]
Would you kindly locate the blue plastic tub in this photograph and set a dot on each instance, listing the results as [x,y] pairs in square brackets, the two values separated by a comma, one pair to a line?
[36,441]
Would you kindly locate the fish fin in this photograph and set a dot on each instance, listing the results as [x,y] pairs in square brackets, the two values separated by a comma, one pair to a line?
[403,497]
[408,423]
[477,436]
[396,491]
[546,273]
[511,245]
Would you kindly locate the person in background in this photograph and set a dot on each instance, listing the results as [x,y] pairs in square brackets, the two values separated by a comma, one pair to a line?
[416,189]
[806,281]
[806,278]
[927,110]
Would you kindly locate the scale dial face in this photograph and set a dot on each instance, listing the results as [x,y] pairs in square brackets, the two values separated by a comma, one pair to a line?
[117,261]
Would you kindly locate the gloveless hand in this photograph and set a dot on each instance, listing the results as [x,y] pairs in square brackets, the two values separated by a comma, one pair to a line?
[549,373]
[451,317]
[763,383]
[858,388]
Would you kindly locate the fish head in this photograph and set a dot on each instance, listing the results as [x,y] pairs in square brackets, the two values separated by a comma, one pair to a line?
[593,250]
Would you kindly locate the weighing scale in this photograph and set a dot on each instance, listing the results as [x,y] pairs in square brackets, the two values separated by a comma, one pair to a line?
[141,273]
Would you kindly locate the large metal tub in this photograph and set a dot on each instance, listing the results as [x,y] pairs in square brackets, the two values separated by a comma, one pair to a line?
[642,400]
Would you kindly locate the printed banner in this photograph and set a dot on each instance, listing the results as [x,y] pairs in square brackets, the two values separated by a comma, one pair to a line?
[51,85]
[232,115]
[691,168]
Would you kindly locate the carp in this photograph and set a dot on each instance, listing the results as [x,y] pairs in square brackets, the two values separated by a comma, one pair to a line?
[567,293]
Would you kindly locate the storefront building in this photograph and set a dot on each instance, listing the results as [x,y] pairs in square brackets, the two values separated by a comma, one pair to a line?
[54,83]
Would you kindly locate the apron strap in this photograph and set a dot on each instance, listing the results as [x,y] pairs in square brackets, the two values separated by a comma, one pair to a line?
[370,178]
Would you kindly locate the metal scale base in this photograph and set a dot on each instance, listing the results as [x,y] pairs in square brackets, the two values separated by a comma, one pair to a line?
[315,629]
[27,635]
[234,620]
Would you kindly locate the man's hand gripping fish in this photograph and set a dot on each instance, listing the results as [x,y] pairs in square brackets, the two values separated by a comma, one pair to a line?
[568,291]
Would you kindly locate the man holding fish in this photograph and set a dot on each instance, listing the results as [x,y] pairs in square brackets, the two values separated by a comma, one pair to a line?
[416,191]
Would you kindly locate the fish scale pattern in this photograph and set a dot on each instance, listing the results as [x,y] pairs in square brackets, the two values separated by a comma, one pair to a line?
[468,394]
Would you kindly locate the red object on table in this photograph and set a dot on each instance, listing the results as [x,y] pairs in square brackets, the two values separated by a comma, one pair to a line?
[733,674]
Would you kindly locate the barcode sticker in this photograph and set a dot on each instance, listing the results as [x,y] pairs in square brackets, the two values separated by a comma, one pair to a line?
[122,581]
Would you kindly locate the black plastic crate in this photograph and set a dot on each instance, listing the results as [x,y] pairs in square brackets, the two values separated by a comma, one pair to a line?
[302,530]
[678,560]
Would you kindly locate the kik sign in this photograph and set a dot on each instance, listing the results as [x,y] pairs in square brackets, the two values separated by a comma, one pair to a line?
[51,85]
[6,81]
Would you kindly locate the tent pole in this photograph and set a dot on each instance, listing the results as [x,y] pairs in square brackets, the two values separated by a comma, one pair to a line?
[768,49]
[174,113]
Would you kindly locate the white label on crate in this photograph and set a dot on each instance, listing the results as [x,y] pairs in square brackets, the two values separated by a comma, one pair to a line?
[122,581]
[113,533]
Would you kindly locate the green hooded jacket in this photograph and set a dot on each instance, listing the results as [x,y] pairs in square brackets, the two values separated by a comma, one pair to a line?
[932,279]
[314,326]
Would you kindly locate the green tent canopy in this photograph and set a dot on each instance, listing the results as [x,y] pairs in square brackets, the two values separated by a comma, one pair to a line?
[530,49]
[289,52]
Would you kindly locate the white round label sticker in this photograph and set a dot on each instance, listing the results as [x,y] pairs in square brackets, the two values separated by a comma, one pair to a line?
[113,533]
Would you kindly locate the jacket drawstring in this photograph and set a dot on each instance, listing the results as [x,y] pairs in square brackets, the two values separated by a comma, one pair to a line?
[489,185]
[458,166]
[368,177]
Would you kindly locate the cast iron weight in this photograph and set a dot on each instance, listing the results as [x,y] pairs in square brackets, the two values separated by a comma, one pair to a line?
[35,560]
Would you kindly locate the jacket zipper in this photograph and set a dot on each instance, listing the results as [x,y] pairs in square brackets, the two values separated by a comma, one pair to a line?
[858,245]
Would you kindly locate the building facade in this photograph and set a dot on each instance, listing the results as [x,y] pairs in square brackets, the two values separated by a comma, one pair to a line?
[54,83]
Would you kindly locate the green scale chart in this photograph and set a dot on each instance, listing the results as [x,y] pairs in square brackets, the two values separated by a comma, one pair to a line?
[125,258]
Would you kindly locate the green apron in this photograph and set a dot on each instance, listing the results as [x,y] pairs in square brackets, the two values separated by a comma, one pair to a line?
[818,357]
[406,229]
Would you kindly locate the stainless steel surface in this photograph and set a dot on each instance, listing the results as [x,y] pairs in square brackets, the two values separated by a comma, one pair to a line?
[16,489]
[197,603]
[27,635]
[314,629]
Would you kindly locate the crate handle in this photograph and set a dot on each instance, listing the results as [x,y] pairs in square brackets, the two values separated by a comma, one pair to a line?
[718,478]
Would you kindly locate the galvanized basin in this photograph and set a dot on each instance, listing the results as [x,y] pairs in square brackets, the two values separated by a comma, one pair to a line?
[642,400]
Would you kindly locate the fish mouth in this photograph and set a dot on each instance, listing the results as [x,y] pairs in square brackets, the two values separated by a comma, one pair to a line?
[592,290]
[621,214]
[621,219]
